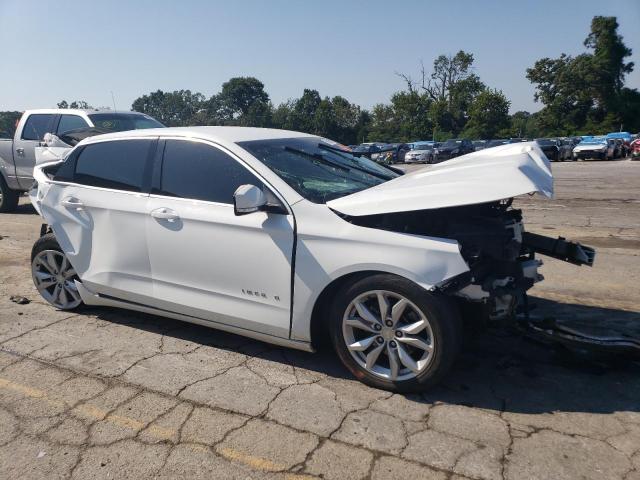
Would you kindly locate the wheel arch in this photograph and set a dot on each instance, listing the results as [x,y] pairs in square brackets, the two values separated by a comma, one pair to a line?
[319,327]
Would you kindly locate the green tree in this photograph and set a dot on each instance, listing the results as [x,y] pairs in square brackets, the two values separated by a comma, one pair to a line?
[522,125]
[586,93]
[488,115]
[334,118]
[609,53]
[174,109]
[81,104]
[243,101]
[450,88]
[8,121]
[384,127]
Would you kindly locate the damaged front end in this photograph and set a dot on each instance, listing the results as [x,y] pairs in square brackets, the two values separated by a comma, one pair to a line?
[501,256]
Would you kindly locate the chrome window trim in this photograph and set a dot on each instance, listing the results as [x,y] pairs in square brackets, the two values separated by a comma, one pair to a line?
[209,142]
[235,157]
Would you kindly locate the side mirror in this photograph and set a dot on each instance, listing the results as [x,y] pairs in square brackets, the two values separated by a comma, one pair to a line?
[248,199]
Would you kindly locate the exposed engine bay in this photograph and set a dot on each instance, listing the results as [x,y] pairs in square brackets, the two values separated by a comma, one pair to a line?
[500,254]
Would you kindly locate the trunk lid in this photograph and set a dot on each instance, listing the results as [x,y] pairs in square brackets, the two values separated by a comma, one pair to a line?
[487,175]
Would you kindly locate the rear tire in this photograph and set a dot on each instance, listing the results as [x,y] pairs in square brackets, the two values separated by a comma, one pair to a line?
[53,275]
[411,349]
[8,198]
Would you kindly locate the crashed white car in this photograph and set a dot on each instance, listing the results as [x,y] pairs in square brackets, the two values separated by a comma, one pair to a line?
[287,237]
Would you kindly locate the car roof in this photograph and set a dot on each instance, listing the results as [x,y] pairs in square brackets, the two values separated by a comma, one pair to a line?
[79,111]
[216,134]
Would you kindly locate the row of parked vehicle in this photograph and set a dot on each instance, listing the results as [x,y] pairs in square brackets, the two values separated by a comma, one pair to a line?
[606,147]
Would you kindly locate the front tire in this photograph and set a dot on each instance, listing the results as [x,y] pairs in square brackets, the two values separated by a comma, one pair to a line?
[8,198]
[53,275]
[394,335]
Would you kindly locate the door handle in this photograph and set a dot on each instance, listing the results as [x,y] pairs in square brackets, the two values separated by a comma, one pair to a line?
[165,214]
[73,203]
[20,152]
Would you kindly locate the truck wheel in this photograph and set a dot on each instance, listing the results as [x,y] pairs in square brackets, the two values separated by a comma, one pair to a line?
[8,198]
[392,334]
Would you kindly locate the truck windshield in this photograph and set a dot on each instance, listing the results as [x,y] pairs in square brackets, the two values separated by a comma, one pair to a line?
[318,169]
[120,122]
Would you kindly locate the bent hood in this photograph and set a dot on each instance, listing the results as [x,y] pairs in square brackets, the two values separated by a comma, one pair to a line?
[485,176]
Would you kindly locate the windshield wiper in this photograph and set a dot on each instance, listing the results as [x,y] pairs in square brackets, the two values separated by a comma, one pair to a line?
[317,157]
[355,165]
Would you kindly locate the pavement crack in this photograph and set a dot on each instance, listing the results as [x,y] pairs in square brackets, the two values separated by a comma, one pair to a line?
[35,329]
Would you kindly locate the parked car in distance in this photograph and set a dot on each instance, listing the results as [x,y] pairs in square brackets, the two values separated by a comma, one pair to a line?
[625,138]
[566,149]
[495,143]
[18,157]
[479,144]
[421,152]
[635,149]
[620,148]
[285,236]
[550,147]
[368,150]
[452,148]
[595,147]
[399,151]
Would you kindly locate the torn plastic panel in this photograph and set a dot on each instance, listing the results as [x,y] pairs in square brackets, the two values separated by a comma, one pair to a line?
[550,330]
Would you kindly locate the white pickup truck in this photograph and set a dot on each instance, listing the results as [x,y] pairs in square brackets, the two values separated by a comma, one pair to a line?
[18,156]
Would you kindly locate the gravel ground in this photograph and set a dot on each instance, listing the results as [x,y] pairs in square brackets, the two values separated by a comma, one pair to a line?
[106,393]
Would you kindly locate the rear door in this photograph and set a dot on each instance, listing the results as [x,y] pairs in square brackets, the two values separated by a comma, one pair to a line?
[97,207]
[206,261]
[33,130]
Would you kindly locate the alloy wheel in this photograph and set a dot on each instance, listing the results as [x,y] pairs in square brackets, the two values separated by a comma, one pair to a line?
[388,335]
[54,277]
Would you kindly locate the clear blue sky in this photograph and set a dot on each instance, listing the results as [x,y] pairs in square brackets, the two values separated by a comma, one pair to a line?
[83,49]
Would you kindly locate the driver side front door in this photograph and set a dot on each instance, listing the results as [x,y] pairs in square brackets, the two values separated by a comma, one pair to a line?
[207,262]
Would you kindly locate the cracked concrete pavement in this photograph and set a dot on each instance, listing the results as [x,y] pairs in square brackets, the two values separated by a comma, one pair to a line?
[106,393]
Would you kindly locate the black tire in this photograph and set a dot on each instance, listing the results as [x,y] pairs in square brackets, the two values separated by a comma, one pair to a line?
[45,242]
[8,198]
[49,242]
[440,311]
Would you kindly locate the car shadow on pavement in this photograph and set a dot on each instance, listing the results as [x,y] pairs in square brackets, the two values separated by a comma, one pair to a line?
[507,371]
[24,208]
[498,369]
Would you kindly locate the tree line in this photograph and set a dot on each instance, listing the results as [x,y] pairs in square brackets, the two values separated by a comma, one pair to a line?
[585,94]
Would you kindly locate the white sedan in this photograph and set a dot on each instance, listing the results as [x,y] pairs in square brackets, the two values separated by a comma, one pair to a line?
[287,237]
[419,156]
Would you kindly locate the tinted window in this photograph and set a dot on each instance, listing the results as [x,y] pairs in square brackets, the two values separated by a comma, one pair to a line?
[36,126]
[119,122]
[201,172]
[70,122]
[119,164]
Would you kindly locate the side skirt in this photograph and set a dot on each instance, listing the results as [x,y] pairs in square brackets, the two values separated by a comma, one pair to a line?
[90,298]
